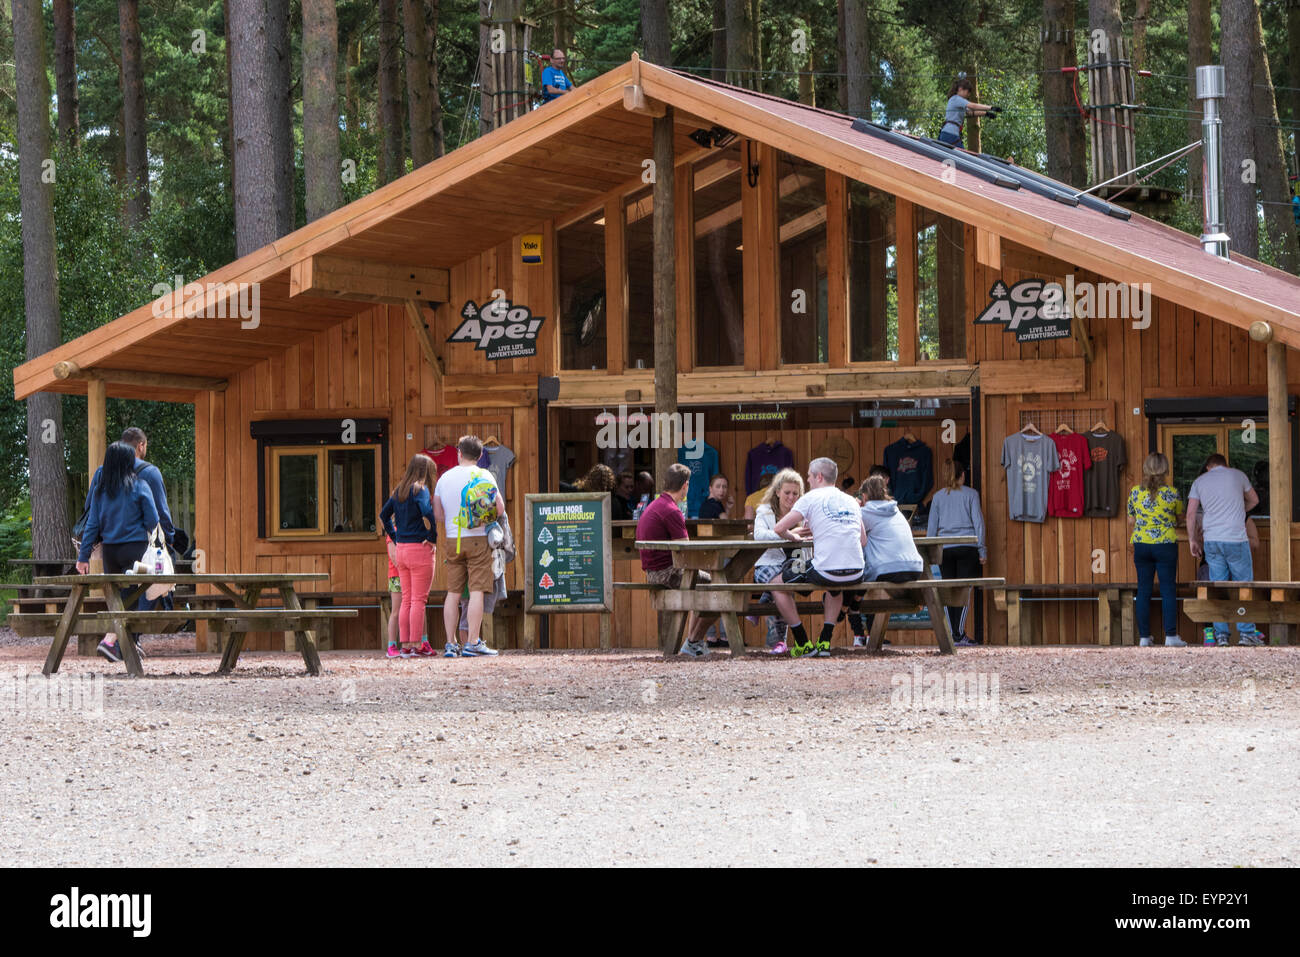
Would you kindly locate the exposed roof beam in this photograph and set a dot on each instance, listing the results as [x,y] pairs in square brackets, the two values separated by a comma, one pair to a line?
[338,277]
[422,336]
[160,380]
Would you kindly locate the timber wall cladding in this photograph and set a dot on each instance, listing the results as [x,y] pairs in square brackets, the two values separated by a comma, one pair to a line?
[1182,353]
[370,364]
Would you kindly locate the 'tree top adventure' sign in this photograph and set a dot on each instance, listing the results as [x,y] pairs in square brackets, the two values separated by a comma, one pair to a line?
[569,566]
[500,328]
[1034,309]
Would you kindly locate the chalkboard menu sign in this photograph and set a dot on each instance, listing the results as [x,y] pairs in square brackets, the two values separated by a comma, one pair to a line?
[569,566]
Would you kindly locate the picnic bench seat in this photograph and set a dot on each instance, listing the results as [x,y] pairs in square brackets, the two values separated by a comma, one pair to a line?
[1116,615]
[1272,603]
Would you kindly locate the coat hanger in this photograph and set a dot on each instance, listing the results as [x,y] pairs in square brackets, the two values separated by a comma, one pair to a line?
[1100,426]
[1031,428]
[1064,429]
[909,435]
[492,440]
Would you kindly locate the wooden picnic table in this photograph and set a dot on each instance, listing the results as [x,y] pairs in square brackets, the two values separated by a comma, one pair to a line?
[728,561]
[242,615]
[1273,603]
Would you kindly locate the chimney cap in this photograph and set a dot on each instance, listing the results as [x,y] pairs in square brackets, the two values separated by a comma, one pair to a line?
[1210,83]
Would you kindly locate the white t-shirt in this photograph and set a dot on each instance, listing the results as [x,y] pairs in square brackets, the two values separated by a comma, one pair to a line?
[836,524]
[450,484]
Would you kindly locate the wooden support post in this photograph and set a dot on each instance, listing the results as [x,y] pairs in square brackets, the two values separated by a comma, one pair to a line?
[1279,465]
[422,336]
[606,631]
[665,282]
[905,236]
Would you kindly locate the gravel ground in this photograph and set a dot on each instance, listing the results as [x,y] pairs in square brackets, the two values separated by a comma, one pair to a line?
[1070,756]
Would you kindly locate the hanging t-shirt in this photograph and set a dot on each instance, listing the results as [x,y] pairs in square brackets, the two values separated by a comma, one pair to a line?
[911,470]
[497,459]
[1065,497]
[1029,460]
[1101,496]
[763,460]
[702,471]
[835,520]
[445,457]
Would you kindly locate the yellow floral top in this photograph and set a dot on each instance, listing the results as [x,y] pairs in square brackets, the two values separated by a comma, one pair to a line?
[1155,516]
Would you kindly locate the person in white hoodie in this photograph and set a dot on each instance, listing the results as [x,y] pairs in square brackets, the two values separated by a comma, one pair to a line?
[890,552]
[955,510]
[785,489]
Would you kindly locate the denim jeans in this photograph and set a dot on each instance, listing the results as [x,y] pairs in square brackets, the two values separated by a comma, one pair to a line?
[775,626]
[1153,560]
[1230,562]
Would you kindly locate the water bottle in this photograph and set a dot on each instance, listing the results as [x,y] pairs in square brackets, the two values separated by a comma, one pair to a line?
[158,561]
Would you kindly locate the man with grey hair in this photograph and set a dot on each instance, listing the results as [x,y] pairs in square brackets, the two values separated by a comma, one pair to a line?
[833,522]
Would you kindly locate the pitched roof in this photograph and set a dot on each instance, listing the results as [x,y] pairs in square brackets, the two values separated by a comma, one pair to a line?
[579,148]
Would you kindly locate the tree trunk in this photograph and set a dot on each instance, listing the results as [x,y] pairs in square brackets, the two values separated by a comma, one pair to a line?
[1063,123]
[320,107]
[257,222]
[857,58]
[1293,70]
[1140,34]
[229,145]
[740,63]
[65,70]
[1274,189]
[756,42]
[719,61]
[432,7]
[417,83]
[1199,53]
[841,62]
[658,50]
[280,51]
[487,84]
[133,129]
[47,473]
[1240,163]
[1104,16]
[392,159]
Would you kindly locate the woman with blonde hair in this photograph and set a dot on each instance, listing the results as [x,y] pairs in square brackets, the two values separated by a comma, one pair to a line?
[785,490]
[409,523]
[1154,512]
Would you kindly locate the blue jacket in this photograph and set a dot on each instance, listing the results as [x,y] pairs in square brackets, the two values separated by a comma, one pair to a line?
[128,517]
[151,475]
[409,526]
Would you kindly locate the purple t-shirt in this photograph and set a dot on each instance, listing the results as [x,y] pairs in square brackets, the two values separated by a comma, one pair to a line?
[662,521]
[763,460]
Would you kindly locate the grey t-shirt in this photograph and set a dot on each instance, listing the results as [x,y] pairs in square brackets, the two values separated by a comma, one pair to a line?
[1029,460]
[956,110]
[499,459]
[1222,494]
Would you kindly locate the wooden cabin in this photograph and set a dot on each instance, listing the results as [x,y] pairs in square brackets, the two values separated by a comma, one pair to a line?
[828,283]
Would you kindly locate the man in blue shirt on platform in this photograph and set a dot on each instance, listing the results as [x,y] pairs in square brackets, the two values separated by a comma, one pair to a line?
[555,81]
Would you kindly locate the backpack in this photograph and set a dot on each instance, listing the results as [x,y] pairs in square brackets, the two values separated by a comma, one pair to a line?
[477,502]
[79,530]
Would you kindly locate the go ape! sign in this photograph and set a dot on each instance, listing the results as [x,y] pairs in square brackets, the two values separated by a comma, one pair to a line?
[499,327]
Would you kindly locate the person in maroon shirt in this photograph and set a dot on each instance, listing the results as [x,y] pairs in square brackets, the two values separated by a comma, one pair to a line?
[663,521]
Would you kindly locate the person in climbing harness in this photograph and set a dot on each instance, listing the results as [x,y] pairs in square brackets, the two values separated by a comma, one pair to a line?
[959,107]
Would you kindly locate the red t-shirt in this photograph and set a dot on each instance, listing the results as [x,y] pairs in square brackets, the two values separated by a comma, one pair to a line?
[661,521]
[445,458]
[1065,488]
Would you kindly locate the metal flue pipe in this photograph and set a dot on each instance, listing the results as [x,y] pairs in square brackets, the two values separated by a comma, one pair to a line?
[1210,90]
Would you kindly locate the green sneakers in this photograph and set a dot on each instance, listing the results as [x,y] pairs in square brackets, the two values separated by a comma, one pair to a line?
[814,649]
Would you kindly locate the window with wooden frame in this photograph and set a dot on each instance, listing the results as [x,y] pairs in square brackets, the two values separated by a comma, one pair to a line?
[719,262]
[801,243]
[940,286]
[1189,430]
[320,478]
[580,253]
[1187,446]
[873,274]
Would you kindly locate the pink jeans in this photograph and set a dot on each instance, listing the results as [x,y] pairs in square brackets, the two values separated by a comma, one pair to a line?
[414,561]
